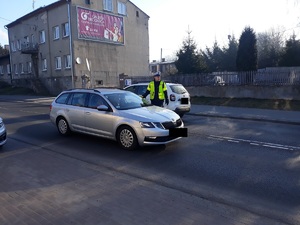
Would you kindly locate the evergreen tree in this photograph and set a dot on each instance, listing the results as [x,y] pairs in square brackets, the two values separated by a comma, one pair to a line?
[188,60]
[229,54]
[291,53]
[213,58]
[246,59]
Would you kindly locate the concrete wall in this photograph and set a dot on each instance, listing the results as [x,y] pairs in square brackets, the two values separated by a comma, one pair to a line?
[259,92]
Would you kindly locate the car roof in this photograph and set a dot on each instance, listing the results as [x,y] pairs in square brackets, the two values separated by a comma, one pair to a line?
[97,90]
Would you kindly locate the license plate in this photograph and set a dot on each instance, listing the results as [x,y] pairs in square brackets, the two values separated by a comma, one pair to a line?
[178,132]
[184,101]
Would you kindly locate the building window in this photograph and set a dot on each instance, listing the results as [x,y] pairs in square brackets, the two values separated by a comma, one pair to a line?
[21,68]
[44,64]
[108,5]
[18,45]
[8,68]
[153,69]
[42,37]
[26,39]
[122,8]
[58,63]
[66,30]
[55,32]
[16,68]
[13,47]
[1,70]
[29,67]
[137,14]
[88,2]
[33,39]
[67,61]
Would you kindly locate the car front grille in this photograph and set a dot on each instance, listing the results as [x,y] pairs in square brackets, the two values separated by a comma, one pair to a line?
[3,137]
[170,124]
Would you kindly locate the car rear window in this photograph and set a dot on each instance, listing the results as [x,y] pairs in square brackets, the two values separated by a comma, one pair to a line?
[178,89]
[62,99]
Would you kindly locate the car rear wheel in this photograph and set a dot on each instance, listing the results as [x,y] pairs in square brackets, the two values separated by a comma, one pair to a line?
[63,126]
[126,138]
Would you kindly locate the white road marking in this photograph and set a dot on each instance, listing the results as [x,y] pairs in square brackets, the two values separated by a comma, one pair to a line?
[255,143]
[234,141]
[274,146]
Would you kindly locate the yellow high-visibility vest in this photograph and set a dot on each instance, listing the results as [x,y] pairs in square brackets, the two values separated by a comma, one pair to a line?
[162,88]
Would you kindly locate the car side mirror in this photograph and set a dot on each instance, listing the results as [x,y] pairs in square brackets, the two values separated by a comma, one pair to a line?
[102,108]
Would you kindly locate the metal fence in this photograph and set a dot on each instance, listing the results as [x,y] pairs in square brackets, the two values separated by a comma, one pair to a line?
[263,78]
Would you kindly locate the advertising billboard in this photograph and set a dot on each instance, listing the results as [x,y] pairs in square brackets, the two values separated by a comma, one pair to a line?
[98,26]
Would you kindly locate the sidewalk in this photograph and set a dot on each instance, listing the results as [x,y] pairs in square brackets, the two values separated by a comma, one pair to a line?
[278,116]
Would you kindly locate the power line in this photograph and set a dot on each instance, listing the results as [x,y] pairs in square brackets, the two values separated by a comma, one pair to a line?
[5,19]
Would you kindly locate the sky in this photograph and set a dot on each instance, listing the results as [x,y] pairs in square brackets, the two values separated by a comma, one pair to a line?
[206,21]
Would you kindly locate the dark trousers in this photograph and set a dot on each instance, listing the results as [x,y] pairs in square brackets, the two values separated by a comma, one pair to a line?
[157,102]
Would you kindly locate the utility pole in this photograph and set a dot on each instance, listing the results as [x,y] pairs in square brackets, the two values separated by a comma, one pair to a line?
[33,4]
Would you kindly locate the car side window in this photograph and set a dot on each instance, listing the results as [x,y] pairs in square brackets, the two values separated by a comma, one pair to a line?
[95,101]
[78,99]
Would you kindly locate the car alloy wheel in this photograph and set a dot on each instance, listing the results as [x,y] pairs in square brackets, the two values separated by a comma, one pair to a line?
[63,126]
[127,138]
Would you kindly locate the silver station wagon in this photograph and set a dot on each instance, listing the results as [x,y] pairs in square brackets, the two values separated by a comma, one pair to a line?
[115,114]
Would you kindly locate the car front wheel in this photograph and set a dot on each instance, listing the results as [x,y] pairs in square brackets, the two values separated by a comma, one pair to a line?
[63,126]
[126,138]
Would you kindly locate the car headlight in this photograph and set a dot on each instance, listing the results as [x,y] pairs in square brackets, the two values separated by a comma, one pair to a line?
[158,125]
[147,125]
[1,124]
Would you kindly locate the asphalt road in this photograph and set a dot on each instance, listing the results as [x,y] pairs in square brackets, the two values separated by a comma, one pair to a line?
[243,164]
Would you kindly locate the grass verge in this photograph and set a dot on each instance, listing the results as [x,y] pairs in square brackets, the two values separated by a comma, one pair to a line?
[278,104]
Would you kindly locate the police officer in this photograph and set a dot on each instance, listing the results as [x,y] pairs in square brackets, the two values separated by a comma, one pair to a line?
[158,91]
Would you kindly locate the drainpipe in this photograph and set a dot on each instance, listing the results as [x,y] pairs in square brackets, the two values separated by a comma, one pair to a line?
[70,35]
[10,55]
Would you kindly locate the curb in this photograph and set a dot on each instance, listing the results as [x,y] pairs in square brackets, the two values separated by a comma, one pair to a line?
[245,118]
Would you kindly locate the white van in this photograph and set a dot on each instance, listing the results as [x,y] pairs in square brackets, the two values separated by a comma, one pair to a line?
[179,98]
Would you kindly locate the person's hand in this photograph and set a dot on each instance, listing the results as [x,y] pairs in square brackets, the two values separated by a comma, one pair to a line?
[167,101]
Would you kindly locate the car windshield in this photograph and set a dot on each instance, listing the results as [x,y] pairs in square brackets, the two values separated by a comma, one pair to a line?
[125,100]
[178,89]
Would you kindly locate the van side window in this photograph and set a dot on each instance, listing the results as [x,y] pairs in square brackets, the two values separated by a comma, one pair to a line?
[142,89]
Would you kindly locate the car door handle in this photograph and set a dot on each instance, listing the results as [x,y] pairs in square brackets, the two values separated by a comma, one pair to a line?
[87,113]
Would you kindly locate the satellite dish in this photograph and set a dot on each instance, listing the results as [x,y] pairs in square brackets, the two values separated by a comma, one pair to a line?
[78,60]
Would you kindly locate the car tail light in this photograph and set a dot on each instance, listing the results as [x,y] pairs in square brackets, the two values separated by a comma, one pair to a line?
[172,97]
[50,107]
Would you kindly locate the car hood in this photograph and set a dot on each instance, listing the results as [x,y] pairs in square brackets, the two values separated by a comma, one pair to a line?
[151,114]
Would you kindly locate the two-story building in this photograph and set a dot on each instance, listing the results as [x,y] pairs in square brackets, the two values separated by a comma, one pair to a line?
[79,44]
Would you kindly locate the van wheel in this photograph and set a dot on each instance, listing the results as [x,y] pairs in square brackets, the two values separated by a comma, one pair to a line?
[127,138]
[63,126]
